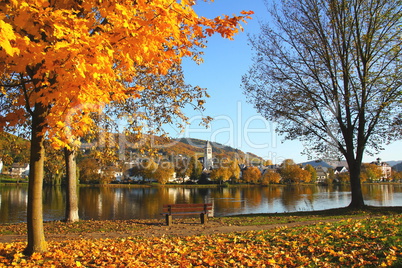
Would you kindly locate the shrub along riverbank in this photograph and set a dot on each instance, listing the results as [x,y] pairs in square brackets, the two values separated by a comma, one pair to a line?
[332,238]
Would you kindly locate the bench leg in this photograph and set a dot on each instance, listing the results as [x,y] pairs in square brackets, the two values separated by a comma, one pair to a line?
[168,219]
[204,218]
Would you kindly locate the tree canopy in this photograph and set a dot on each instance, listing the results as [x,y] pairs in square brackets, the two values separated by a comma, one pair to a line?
[329,72]
[79,54]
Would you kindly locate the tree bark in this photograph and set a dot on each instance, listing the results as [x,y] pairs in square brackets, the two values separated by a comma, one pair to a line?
[354,164]
[36,236]
[71,195]
[355,185]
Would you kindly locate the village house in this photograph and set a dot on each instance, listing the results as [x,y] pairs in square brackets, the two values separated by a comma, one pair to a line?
[340,169]
[19,170]
[385,168]
[112,172]
[322,174]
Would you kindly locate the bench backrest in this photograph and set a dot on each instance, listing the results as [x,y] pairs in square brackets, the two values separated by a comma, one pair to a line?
[175,208]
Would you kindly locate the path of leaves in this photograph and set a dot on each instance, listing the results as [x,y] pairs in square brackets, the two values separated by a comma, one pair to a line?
[350,243]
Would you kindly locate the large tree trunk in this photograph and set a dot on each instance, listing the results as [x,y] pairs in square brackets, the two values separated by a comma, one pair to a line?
[36,236]
[71,195]
[355,186]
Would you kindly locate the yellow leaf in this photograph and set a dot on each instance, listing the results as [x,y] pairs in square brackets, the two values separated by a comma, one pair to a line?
[6,35]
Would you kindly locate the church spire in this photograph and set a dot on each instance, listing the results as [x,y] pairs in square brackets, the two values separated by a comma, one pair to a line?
[208,155]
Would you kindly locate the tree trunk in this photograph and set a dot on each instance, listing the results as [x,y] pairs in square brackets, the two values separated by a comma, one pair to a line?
[355,185]
[71,195]
[36,236]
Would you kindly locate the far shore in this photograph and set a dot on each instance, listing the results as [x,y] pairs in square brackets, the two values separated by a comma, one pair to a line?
[150,185]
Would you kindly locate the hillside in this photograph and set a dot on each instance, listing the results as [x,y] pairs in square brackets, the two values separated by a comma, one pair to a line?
[190,147]
[394,163]
[217,148]
[398,167]
[317,163]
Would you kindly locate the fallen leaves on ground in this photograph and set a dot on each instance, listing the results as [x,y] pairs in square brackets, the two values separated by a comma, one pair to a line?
[87,226]
[350,243]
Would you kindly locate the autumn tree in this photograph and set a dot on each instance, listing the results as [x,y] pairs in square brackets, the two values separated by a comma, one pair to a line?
[304,175]
[397,175]
[251,174]
[13,149]
[234,170]
[371,172]
[182,168]
[312,171]
[163,172]
[329,73]
[195,169]
[342,178]
[220,174]
[331,176]
[268,163]
[270,177]
[135,171]
[54,166]
[291,172]
[149,166]
[56,56]
[89,171]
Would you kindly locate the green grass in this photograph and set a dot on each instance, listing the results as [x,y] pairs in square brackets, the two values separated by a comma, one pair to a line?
[6,179]
[305,216]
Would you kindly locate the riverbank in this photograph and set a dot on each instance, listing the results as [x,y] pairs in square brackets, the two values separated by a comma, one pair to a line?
[332,238]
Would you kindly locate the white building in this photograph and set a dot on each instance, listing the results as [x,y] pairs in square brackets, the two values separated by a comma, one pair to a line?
[322,174]
[207,161]
[385,168]
[340,169]
[20,170]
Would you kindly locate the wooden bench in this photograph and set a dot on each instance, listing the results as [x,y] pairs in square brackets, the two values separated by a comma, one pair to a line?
[186,209]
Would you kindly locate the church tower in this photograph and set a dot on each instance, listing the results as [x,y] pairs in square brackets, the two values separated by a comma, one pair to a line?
[208,156]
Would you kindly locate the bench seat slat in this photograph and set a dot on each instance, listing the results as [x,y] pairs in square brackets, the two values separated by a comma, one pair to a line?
[183,213]
[187,205]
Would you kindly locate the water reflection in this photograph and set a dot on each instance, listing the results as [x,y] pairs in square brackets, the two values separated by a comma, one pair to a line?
[142,203]
[383,195]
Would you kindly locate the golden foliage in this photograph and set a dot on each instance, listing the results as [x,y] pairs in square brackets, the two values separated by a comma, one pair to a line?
[270,176]
[371,172]
[164,172]
[251,174]
[291,172]
[75,57]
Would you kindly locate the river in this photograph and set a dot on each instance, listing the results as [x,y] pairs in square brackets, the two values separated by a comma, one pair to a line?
[103,203]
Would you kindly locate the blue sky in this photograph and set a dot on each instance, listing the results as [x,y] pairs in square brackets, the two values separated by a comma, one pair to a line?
[237,123]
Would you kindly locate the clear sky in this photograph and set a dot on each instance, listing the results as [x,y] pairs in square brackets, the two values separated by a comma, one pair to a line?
[236,123]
